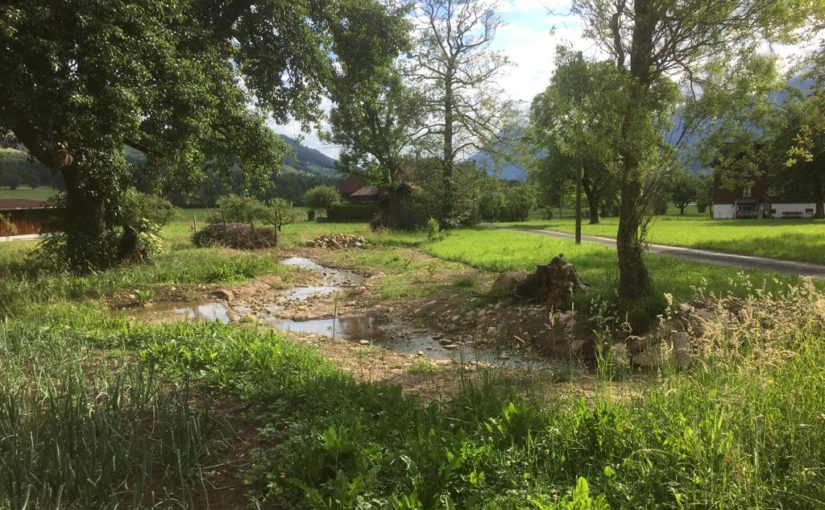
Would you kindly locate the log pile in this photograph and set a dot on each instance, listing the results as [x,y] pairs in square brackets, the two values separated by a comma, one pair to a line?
[236,235]
[337,241]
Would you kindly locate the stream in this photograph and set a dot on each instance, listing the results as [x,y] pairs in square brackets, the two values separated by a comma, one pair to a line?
[390,333]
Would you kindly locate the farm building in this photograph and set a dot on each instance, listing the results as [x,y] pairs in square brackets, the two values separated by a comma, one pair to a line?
[758,201]
[354,189]
[27,216]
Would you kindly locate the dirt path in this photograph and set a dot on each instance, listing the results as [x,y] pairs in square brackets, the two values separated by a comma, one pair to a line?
[704,256]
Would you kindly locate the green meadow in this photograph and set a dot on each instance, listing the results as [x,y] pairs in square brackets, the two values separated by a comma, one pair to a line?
[802,240]
[104,412]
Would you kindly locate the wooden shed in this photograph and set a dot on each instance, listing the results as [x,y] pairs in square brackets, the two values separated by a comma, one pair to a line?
[28,216]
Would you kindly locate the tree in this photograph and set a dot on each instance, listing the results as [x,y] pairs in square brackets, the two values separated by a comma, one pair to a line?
[652,39]
[704,192]
[682,190]
[322,197]
[378,121]
[572,123]
[175,79]
[453,65]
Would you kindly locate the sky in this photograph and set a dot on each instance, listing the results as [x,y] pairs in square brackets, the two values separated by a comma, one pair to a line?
[532,30]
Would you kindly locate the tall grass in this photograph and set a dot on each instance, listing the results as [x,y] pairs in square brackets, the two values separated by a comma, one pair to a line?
[80,428]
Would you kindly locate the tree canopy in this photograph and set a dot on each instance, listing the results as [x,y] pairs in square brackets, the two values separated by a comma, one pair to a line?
[189,82]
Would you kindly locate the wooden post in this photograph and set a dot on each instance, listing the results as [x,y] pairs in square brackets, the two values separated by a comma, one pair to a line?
[194,223]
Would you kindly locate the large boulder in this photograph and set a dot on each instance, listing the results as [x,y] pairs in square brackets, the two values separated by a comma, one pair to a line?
[506,283]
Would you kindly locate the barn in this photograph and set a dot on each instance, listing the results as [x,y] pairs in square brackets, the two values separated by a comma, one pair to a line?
[27,216]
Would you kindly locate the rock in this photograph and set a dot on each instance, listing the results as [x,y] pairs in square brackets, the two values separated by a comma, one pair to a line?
[224,294]
[450,347]
[364,342]
[685,309]
[492,330]
[420,353]
[506,283]
[503,356]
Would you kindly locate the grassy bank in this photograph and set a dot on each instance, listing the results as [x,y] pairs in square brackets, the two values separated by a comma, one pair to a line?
[110,415]
[801,240]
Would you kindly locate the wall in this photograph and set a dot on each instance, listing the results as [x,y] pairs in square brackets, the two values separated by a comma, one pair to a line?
[723,211]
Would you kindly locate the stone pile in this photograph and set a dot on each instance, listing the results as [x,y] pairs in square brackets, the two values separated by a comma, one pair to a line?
[675,341]
[337,241]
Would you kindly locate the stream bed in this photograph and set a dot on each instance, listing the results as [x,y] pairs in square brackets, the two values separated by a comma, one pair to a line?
[392,334]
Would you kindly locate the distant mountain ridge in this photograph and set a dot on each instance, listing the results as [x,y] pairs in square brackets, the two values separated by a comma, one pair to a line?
[308,160]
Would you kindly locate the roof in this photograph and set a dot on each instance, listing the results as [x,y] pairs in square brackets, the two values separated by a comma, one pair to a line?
[365,191]
[350,185]
[8,204]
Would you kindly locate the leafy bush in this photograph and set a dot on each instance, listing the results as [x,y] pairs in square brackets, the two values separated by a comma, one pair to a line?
[7,226]
[237,209]
[352,212]
[507,201]
[132,234]
[322,197]
[433,230]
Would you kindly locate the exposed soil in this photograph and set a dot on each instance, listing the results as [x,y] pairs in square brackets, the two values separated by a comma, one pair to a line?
[323,304]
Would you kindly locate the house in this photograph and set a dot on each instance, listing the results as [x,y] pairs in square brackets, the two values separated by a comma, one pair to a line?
[757,201]
[27,216]
[354,189]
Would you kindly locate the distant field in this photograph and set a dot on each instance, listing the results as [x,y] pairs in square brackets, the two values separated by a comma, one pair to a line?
[28,193]
[802,240]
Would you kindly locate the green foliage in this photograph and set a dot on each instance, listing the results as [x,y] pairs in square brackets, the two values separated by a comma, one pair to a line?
[503,201]
[682,189]
[7,226]
[236,209]
[177,80]
[433,230]
[322,197]
[132,234]
[346,212]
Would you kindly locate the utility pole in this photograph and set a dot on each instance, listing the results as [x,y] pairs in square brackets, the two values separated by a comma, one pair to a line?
[579,162]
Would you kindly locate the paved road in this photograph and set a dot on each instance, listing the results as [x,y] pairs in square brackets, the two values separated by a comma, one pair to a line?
[708,257]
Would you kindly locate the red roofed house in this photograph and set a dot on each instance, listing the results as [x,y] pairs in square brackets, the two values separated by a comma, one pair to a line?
[27,216]
[353,189]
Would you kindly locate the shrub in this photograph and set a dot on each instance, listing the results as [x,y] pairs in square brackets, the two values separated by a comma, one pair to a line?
[132,234]
[352,212]
[433,230]
[322,197]
[7,226]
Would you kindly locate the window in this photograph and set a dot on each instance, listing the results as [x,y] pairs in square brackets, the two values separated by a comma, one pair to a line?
[809,211]
[746,192]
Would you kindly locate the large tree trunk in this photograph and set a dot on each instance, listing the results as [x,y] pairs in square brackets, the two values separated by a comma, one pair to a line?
[84,222]
[391,214]
[634,280]
[820,209]
[449,191]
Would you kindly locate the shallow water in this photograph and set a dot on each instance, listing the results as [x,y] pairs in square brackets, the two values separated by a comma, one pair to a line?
[218,311]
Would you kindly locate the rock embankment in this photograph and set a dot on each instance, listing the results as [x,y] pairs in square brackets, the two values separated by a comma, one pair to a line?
[337,241]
